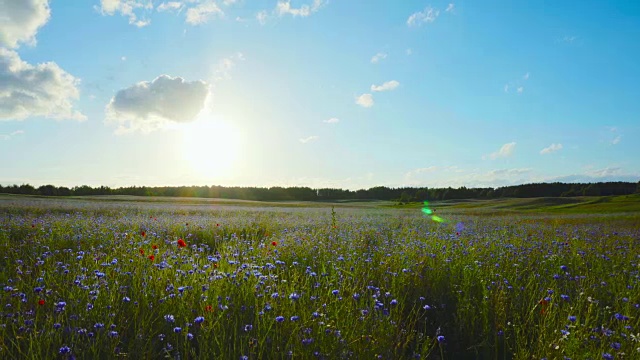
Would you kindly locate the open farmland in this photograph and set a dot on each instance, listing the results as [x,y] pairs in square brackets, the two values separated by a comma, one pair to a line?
[150,279]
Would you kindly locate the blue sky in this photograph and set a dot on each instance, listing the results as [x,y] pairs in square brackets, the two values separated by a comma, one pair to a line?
[318,93]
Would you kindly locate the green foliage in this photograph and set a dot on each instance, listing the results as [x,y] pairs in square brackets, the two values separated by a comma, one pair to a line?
[400,281]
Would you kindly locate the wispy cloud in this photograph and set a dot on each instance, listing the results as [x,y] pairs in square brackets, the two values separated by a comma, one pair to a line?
[332,120]
[283,7]
[409,51]
[308,139]
[128,8]
[616,140]
[223,68]
[505,151]
[428,15]
[262,16]
[568,39]
[518,84]
[450,8]
[365,100]
[525,76]
[378,57]
[387,86]
[9,136]
[170,6]
[201,13]
[520,89]
[550,149]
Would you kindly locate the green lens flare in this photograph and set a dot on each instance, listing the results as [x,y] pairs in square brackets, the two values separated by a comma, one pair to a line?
[437,219]
[427,211]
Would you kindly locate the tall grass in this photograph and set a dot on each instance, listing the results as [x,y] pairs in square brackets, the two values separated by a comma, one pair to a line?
[76,280]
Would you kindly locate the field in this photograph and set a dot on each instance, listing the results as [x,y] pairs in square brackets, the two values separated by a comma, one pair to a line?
[108,277]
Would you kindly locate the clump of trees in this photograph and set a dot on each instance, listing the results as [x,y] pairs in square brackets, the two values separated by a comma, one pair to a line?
[401,194]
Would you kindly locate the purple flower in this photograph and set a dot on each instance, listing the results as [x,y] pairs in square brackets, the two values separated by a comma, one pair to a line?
[190,336]
[280,318]
[394,302]
[177,329]
[169,318]
[335,292]
[248,327]
[607,356]
[64,350]
[441,339]
[615,346]
[199,320]
[572,318]
[564,297]
[295,318]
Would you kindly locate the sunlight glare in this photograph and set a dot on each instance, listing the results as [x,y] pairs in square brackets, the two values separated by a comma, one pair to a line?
[211,148]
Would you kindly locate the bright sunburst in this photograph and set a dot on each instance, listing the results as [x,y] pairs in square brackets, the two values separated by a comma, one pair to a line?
[211,147]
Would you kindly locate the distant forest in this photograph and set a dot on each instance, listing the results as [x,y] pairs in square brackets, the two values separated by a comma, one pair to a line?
[403,194]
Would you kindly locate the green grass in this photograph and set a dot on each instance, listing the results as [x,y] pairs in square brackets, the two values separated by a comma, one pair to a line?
[400,280]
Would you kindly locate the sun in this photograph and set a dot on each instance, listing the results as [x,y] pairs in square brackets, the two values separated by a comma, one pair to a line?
[211,148]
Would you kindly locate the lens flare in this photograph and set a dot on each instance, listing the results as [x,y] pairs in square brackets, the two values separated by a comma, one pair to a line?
[429,212]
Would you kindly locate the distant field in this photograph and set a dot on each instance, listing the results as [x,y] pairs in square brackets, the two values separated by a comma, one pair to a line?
[149,278]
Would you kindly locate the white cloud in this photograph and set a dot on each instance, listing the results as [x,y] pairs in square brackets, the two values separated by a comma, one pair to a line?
[308,139]
[147,106]
[550,149]
[520,89]
[43,90]
[124,58]
[169,6]
[505,151]
[506,88]
[332,120]
[450,8]
[229,2]
[202,12]
[525,76]
[262,17]
[283,7]
[428,15]
[365,100]
[389,85]
[20,21]
[409,51]
[616,140]
[608,171]
[568,39]
[127,8]
[224,66]
[377,57]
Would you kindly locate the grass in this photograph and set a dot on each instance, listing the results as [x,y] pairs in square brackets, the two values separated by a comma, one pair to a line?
[300,282]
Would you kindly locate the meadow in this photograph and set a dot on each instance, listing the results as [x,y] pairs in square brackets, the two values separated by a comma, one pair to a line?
[99,278]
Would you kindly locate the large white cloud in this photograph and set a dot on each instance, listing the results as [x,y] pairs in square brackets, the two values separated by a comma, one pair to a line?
[35,90]
[201,13]
[387,86]
[505,151]
[365,100]
[20,21]
[150,105]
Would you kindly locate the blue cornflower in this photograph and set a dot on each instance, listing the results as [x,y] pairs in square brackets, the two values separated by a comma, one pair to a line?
[98,325]
[335,292]
[572,318]
[441,339]
[57,326]
[607,356]
[126,299]
[199,320]
[394,302]
[564,297]
[307,341]
[356,296]
[274,295]
[294,296]
[169,318]
[190,336]
[280,318]
[615,346]
[563,268]
[113,333]
[621,317]
[177,329]
[295,318]
[64,350]
[248,327]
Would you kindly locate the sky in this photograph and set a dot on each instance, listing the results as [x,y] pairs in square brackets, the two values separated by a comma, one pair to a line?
[321,93]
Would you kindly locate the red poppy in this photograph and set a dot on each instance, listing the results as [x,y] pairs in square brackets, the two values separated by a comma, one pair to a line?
[32,225]
[217,224]
[141,251]
[215,265]
[208,308]
[143,234]
[181,243]
[457,234]
[274,243]
[151,257]
[154,246]
[41,302]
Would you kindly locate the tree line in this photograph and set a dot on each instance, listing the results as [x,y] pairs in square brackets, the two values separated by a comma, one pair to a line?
[400,194]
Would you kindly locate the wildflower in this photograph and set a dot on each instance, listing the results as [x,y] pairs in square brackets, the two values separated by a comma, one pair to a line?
[615,346]
[295,318]
[41,302]
[57,326]
[572,318]
[177,329]
[621,317]
[394,302]
[307,341]
[169,318]
[190,336]
[335,292]
[607,356]
[564,297]
[141,250]
[126,299]
[199,319]
[208,308]
[563,268]
[280,318]
[151,257]
[143,234]
[154,247]
[441,339]
[113,334]
[181,243]
[274,243]
[248,327]
[64,350]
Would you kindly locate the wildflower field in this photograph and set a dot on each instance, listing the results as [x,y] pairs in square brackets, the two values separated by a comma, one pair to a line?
[91,279]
